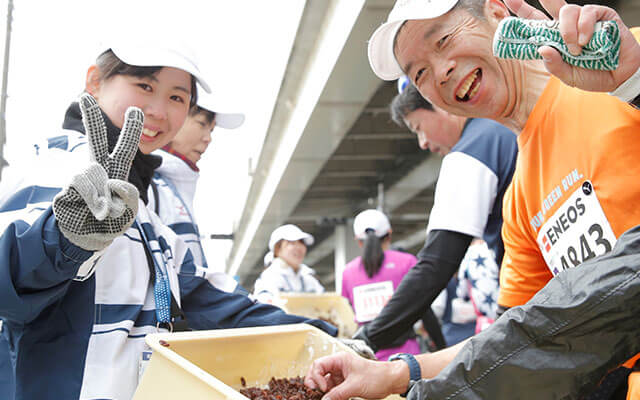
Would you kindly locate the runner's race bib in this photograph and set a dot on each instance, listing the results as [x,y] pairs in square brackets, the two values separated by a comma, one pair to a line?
[368,300]
[577,231]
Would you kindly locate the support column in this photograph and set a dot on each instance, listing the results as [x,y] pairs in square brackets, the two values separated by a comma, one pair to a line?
[346,249]
[340,254]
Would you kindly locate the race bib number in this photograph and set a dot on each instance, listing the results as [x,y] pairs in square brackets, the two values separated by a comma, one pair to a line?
[577,231]
[368,300]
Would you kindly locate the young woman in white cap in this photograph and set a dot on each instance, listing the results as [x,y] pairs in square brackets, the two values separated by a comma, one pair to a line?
[88,269]
[173,187]
[368,281]
[287,273]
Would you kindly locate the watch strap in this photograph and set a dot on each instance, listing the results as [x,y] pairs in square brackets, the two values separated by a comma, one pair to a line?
[415,373]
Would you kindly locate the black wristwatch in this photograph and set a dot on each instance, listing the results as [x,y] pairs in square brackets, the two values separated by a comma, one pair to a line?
[415,373]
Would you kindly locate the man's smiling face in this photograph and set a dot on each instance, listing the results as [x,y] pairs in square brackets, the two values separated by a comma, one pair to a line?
[450,60]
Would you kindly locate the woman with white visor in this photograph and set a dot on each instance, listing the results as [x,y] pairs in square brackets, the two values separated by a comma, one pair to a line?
[287,273]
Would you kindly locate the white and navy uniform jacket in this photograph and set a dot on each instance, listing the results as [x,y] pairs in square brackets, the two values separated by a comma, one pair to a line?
[473,178]
[280,277]
[468,204]
[75,320]
[171,195]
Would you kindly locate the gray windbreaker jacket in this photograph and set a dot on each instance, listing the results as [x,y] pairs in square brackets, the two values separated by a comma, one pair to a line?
[582,324]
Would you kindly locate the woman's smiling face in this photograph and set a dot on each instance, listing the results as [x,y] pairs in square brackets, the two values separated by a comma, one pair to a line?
[163,98]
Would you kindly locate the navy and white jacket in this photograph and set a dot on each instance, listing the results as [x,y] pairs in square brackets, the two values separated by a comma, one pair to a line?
[468,204]
[171,195]
[280,277]
[75,320]
[473,179]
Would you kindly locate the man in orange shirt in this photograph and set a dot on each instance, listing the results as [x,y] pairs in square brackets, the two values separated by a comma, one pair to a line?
[572,197]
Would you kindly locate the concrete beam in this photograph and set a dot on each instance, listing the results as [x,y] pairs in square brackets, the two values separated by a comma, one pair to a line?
[326,87]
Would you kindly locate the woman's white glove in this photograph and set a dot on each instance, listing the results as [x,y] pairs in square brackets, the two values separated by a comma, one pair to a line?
[99,204]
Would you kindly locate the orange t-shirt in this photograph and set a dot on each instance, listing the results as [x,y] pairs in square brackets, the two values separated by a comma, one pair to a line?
[579,151]
[575,190]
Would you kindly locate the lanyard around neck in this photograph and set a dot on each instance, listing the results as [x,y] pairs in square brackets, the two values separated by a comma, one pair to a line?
[161,286]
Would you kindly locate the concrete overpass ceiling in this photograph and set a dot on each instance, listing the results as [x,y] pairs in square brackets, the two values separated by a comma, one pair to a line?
[366,149]
[332,84]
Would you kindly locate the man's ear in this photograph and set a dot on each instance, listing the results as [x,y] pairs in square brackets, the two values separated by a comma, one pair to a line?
[92,83]
[495,11]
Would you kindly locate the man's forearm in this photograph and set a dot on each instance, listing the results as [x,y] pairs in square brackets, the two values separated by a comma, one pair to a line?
[432,363]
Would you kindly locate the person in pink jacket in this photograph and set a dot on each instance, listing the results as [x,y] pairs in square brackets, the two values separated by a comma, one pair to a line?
[369,281]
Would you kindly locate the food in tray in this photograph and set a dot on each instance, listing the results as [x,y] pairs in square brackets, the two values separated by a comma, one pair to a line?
[281,389]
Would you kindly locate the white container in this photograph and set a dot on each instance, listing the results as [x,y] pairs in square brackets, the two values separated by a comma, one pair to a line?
[209,364]
[331,306]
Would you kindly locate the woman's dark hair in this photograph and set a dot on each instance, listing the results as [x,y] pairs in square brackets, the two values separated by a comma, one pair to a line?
[406,102]
[210,116]
[372,254]
[110,65]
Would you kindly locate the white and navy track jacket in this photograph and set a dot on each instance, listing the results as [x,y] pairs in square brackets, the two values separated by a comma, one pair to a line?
[75,320]
[171,196]
[279,277]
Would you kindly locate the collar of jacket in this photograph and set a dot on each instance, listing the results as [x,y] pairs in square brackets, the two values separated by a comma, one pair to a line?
[288,270]
[143,164]
[181,156]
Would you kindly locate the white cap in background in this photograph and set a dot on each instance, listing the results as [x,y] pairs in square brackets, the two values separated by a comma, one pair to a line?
[381,57]
[371,219]
[215,102]
[140,52]
[291,233]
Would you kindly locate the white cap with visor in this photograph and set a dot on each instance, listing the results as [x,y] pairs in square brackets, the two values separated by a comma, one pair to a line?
[381,56]
[215,102]
[138,52]
[371,220]
[291,233]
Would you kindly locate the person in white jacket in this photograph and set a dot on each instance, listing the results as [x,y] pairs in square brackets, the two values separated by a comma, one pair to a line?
[287,273]
[88,269]
[174,183]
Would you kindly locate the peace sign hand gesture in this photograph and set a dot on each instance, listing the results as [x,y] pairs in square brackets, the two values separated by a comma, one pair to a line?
[99,204]
[576,24]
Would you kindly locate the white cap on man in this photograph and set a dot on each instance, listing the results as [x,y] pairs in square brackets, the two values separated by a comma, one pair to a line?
[151,51]
[381,56]
[371,220]
[215,102]
[291,233]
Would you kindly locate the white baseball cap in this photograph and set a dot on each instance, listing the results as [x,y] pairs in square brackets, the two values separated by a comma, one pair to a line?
[167,52]
[214,102]
[371,219]
[381,57]
[291,233]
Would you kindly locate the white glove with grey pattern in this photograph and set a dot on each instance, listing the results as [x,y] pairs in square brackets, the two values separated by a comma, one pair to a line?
[99,204]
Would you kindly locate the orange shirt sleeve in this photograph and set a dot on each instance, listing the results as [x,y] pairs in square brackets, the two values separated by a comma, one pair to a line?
[523,272]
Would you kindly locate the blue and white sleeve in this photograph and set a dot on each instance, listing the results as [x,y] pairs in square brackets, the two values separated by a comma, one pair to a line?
[464,197]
